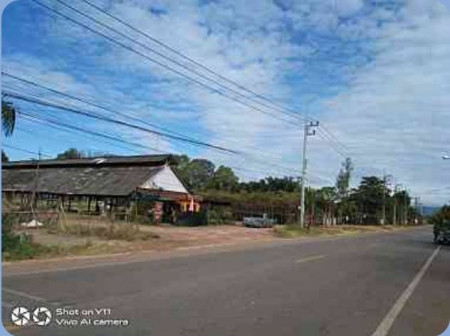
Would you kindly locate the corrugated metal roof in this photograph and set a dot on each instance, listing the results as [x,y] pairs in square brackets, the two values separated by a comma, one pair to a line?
[96,180]
[138,160]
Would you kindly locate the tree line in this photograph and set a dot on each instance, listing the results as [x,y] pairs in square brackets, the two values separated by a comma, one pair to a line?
[339,204]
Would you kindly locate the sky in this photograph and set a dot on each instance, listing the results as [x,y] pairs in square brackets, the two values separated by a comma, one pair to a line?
[375,74]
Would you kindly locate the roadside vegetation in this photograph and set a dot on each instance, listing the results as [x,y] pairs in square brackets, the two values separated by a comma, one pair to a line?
[278,197]
[293,231]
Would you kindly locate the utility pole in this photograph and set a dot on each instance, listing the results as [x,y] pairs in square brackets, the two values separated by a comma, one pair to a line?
[394,221]
[307,132]
[386,179]
[406,208]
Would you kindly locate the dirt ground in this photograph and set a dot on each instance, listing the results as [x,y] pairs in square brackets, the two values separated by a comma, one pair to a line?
[169,238]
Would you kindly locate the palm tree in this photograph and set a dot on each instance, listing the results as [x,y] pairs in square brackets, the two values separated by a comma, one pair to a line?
[8,117]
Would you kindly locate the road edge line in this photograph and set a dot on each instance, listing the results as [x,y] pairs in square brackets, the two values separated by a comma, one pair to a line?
[386,324]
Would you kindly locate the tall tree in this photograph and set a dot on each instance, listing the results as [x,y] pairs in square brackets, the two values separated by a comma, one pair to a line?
[344,176]
[369,198]
[9,112]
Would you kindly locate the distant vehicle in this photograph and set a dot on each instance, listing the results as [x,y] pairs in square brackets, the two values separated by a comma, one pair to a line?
[442,233]
[259,222]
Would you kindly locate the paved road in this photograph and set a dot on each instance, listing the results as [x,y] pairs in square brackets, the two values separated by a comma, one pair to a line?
[352,286]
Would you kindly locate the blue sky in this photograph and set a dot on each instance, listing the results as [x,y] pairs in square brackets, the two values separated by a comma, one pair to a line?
[375,73]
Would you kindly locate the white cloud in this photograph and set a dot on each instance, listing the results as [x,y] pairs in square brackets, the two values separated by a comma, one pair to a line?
[395,113]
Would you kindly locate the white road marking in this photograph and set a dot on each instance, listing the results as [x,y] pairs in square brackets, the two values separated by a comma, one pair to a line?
[389,319]
[317,257]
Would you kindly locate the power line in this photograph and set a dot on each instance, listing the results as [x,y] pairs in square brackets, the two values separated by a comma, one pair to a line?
[118,122]
[184,56]
[25,150]
[167,67]
[86,131]
[93,115]
[82,100]
[85,101]
[330,135]
[67,128]
[164,56]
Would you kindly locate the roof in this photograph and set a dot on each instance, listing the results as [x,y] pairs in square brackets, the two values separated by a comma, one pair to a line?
[94,181]
[126,161]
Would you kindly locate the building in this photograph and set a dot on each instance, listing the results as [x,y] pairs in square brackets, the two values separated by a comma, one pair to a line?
[100,185]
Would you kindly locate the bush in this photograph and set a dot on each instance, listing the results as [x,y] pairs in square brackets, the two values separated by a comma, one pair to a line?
[17,246]
[219,216]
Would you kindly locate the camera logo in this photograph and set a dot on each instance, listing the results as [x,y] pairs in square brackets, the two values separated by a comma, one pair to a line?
[42,316]
[21,316]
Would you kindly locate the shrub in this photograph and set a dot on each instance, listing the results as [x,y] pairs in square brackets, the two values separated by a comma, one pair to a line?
[17,246]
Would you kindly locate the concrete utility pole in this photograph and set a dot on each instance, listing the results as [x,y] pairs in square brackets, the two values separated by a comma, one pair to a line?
[386,179]
[406,208]
[394,221]
[307,132]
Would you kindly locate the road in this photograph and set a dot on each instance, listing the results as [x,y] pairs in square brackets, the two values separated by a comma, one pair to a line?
[375,284]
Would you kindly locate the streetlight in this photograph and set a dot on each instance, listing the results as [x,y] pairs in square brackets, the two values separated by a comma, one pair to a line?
[445,157]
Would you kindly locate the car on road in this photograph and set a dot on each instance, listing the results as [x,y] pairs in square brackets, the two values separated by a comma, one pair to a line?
[442,233]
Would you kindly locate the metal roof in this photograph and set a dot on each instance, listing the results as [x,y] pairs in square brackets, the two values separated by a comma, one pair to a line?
[138,160]
[100,180]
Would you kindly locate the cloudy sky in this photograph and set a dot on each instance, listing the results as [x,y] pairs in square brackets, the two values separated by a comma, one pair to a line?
[376,74]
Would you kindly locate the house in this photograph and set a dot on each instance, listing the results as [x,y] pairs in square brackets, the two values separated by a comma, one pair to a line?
[102,184]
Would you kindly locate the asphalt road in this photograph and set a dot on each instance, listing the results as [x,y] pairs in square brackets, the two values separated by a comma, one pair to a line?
[383,284]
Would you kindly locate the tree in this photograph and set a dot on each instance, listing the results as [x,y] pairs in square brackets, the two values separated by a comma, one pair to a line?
[5,157]
[369,198]
[199,174]
[71,153]
[325,198]
[9,112]
[343,179]
[224,179]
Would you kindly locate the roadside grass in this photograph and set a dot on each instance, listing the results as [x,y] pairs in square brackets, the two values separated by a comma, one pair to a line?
[82,238]
[292,230]
[126,232]
[38,251]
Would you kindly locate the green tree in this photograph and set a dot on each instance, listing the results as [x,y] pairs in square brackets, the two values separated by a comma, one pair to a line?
[71,153]
[224,179]
[9,112]
[200,173]
[369,199]
[344,176]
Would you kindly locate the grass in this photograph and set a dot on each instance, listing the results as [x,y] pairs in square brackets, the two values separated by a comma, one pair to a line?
[292,230]
[29,251]
[124,232]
